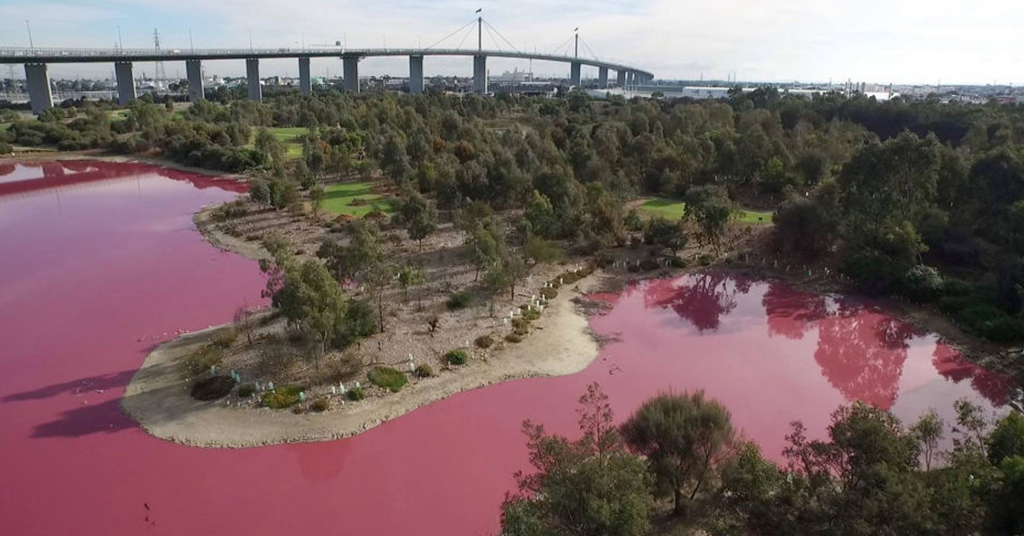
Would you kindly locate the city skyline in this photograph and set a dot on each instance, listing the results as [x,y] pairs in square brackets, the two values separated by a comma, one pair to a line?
[906,42]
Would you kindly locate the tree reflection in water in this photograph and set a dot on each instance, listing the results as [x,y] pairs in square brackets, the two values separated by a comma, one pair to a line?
[859,350]
[701,299]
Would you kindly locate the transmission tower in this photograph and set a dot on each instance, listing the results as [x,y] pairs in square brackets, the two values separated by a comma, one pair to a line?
[159,67]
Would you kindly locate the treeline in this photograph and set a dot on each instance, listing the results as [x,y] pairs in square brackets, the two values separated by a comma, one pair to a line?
[871,475]
[921,199]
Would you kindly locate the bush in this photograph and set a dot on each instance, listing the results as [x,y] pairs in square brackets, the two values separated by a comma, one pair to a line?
[387,378]
[676,262]
[360,321]
[705,259]
[549,293]
[320,405]
[920,283]
[484,341]
[460,300]
[282,397]
[355,394]
[246,390]
[873,272]
[513,337]
[530,314]
[424,371]
[5,148]
[648,265]
[205,358]
[225,338]
[213,388]
[456,357]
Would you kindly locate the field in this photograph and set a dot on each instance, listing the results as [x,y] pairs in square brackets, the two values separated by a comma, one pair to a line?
[339,199]
[289,137]
[672,209]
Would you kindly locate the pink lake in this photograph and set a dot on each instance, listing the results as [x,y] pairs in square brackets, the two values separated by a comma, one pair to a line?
[100,261]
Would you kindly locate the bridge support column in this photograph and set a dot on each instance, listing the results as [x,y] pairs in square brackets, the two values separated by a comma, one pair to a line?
[351,72]
[602,77]
[621,78]
[574,73]
[125,82]
[252,76]
[38,87]
[416,74]
[305,82]
[480,74]
[194,72]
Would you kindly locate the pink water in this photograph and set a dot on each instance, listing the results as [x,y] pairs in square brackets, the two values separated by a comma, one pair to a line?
[98,262]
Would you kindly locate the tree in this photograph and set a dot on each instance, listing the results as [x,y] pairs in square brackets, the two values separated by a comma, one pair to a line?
[666,234]
[311,299]
[888,192]
[928,430]
[482,248]
[710,207]
[683,437]
[393,160]
[316,199]
[541,215]
[267,144]
[589,487]
[409,276]
[418,216]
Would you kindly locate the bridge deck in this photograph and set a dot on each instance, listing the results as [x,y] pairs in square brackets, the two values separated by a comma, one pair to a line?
[57,55]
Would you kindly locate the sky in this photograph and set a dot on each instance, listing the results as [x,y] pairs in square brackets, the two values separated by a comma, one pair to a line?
[874,41]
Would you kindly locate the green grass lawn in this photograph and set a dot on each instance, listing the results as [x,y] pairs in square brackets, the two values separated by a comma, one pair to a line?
[338,199]
[672,209]
[289,137]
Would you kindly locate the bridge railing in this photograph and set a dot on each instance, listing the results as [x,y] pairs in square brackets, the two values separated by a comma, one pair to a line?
[45,54]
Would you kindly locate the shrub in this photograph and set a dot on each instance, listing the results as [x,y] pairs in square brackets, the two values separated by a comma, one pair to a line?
[513,337]
[705,259]
[1003,329]
[360,321]
[246,390]
[387,378]
[213,388]
[205,358]
[424,371]
[342,370]
[456,357]
[676,262]
[460,300]
[873,272]
[530,314]
[355,394]
[920,283]
[549,293]
[225,338]
[5,148]
[484,341]
[649,264]
[282,397]
[320,404]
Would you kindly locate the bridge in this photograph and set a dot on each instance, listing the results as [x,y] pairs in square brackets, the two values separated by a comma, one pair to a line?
[38,82]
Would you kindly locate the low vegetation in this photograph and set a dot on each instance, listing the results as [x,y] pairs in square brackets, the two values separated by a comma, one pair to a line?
[456,357]
[387,378]
[282,397]
[213,388]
